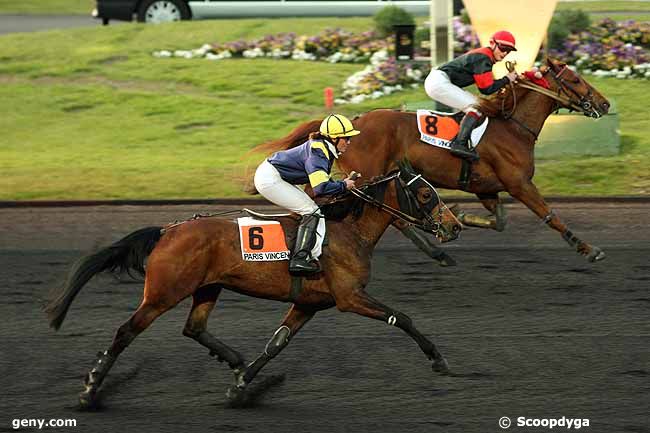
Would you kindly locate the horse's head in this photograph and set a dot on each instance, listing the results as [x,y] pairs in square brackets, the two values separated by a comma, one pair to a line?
[403,194]
[581,95]
[419,199]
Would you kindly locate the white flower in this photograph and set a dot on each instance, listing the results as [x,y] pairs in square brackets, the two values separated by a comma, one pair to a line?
[379,57]
[340,101]
[222,55]
[183,53]
[162,54]
[358,98]
[302,55]
[255,52]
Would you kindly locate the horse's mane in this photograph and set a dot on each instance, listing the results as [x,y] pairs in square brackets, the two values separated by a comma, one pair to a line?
[298,136]
[494,105]
[349,204]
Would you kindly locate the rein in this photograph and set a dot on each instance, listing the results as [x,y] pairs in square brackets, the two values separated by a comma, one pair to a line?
[560,99]
[430,224]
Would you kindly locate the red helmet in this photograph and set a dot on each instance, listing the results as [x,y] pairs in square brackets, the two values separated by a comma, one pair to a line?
[504,39]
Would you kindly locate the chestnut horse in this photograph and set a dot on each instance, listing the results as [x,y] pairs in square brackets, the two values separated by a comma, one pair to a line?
[506,149]
[200,257]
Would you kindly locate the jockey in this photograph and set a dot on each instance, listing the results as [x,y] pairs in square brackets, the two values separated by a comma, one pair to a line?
[311,162]
[445,85]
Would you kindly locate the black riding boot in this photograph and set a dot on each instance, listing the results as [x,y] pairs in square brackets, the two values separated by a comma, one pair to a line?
[460,144]
[301,260]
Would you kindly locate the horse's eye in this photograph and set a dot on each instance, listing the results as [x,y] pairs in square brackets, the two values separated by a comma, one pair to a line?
[424,195]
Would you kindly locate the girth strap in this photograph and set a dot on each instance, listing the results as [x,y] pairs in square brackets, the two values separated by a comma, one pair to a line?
[465,173]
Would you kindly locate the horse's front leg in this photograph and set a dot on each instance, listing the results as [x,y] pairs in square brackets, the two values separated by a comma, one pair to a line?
[527,193]
[423,243]
[358,301]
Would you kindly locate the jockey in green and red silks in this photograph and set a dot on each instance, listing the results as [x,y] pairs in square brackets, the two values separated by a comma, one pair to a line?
[474,67]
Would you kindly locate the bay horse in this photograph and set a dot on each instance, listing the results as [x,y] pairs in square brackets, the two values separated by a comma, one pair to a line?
[506,149]
[201,257]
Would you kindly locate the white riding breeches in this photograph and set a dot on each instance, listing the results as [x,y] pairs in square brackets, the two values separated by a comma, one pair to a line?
[441,89]
[270,184]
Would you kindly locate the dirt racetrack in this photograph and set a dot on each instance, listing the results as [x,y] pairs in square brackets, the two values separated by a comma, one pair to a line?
[530,329]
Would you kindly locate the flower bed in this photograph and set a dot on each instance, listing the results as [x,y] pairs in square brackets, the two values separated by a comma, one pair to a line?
[608,48]
[381,77]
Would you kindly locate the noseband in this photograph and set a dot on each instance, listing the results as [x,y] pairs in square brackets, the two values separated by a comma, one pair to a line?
[406,184]
[564,98]
[576,101]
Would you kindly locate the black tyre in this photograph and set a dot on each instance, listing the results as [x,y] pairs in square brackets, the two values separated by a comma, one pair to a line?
[162,11]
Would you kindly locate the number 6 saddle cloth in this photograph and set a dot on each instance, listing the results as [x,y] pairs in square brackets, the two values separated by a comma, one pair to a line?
[262,240]
[439,129]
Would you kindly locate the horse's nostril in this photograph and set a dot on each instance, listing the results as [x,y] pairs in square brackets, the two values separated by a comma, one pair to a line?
[605,106]
[456,228]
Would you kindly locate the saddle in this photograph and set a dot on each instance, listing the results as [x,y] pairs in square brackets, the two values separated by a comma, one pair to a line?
[439,129]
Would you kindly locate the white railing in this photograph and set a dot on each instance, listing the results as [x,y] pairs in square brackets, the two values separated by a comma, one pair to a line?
[299,8]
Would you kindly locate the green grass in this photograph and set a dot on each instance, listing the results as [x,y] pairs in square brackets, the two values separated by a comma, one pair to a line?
[56,7]
[605,6]
[90,114]
[83,7]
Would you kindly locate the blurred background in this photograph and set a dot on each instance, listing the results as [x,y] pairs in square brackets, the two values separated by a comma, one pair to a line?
[152,100]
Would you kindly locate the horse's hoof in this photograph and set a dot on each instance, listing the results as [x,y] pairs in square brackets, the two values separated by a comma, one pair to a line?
[596,255]
[440,366]
[87,400]
[445,260]
[237,397]
[234,392]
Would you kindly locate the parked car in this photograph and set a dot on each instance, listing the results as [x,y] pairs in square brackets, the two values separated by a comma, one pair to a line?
[158,11]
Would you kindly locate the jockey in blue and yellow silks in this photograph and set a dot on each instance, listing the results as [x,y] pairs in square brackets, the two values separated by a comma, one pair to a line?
[310,163]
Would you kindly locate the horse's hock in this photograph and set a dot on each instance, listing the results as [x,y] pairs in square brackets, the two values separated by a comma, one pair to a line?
[568,134]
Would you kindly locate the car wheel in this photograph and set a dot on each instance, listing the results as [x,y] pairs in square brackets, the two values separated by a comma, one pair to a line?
[163,11]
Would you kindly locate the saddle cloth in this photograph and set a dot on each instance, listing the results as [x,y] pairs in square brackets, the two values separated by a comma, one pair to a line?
[262,240]
[439,129]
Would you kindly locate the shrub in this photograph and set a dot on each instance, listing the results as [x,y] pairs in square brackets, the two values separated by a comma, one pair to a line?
[565,23]
[391,16]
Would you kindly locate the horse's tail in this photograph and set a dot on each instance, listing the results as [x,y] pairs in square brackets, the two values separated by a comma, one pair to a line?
[129,253]
[295,138]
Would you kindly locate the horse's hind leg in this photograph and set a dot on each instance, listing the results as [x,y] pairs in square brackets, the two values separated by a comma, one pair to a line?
[293,321]
[493,204]
[139,321]
[361,303]
[204,300]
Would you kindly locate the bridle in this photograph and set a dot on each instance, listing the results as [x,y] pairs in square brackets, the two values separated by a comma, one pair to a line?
[406,184]
[565,97]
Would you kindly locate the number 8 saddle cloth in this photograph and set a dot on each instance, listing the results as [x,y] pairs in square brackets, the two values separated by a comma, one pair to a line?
[439,129]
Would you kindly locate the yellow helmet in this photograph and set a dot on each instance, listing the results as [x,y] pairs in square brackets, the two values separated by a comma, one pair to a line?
[337,125]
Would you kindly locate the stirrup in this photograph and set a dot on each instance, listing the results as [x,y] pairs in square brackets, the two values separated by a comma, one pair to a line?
[302,264]
[304,267]
[464,152]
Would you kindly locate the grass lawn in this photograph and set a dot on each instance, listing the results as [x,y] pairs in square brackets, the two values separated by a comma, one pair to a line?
[50,7]
[90,114]
[83,7]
